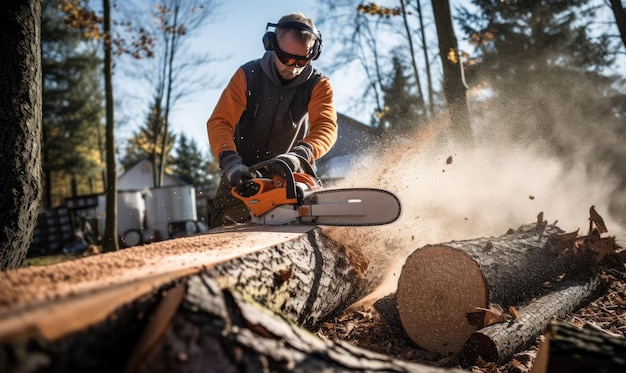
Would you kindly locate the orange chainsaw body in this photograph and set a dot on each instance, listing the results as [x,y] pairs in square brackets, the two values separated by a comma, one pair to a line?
[270,193]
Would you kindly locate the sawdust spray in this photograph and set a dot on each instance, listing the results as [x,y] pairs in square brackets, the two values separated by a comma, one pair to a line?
[449,192]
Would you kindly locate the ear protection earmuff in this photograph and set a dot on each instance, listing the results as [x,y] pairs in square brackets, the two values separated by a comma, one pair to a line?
[270,42]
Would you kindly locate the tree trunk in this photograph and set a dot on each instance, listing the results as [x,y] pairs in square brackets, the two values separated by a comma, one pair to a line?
[295,271]
[133,319]
[110,242]
[453,88]
[429,78]
[20,114]
[567,348]
[440,284]
[305,281]
[223,331]
[420,94]
[619,12]
[499,342]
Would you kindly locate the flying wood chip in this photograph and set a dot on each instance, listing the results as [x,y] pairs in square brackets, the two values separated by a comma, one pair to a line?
[449,160]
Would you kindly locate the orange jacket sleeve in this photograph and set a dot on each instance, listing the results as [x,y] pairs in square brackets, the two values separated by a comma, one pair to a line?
[230,106]
[322,119]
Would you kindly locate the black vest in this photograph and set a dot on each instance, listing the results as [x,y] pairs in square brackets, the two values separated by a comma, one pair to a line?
[275,117]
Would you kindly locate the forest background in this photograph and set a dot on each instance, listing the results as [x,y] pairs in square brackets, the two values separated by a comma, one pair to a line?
[546,76]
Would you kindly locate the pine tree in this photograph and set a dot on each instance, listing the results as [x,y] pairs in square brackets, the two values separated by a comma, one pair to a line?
[400,113]
[550,84]
[146,142]
[72,110]
[191,165]
[545,70]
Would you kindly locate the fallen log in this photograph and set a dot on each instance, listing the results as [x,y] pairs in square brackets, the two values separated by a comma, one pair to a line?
[567,348]
[221,330]
[500,341]
[439,284]
[295,270]
[91,304]
[307,280]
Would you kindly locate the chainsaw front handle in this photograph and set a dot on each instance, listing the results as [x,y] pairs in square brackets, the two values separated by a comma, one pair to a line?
[290,182]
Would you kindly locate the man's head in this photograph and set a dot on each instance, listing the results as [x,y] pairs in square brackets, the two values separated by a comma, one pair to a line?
[295,43]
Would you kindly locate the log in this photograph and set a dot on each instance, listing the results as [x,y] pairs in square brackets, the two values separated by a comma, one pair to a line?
[273,263]
[567,348]
[439,284]
[90,313]
[307,281]
[500,341]
[221,330]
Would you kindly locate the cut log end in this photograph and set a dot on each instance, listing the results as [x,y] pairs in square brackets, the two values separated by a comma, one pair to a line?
[479,345]
[438,285]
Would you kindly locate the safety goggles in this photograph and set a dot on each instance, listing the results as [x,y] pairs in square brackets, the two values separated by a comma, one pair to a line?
[291,59]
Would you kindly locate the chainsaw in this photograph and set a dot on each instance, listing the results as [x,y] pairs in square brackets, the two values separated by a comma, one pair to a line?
[279,196]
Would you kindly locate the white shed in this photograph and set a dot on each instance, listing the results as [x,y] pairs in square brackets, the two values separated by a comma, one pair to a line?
[141,176]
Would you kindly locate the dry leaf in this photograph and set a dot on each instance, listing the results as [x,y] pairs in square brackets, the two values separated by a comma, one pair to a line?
[561,242]
[482,317]
[546,285]
[486,367]
[514,313]
[601,246]
[596,219]
[476,318]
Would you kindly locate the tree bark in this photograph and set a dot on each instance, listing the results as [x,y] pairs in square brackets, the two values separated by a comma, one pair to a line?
[567,348]
[499,342]
[453,87]
[307,280]
[20,114]
[223,331]
[295,271]
[300,276]
[440,284]
[110,242]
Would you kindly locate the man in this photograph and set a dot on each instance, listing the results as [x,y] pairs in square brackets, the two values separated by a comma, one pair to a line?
[277,106]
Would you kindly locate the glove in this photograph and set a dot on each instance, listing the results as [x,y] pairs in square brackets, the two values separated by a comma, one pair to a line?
[292,161]
[297,154]
[236,172]
[305,151]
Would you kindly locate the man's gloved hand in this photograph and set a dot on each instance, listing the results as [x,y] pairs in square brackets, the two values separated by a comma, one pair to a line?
[236,172]
[292,161]
[305,151]
[297,155]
